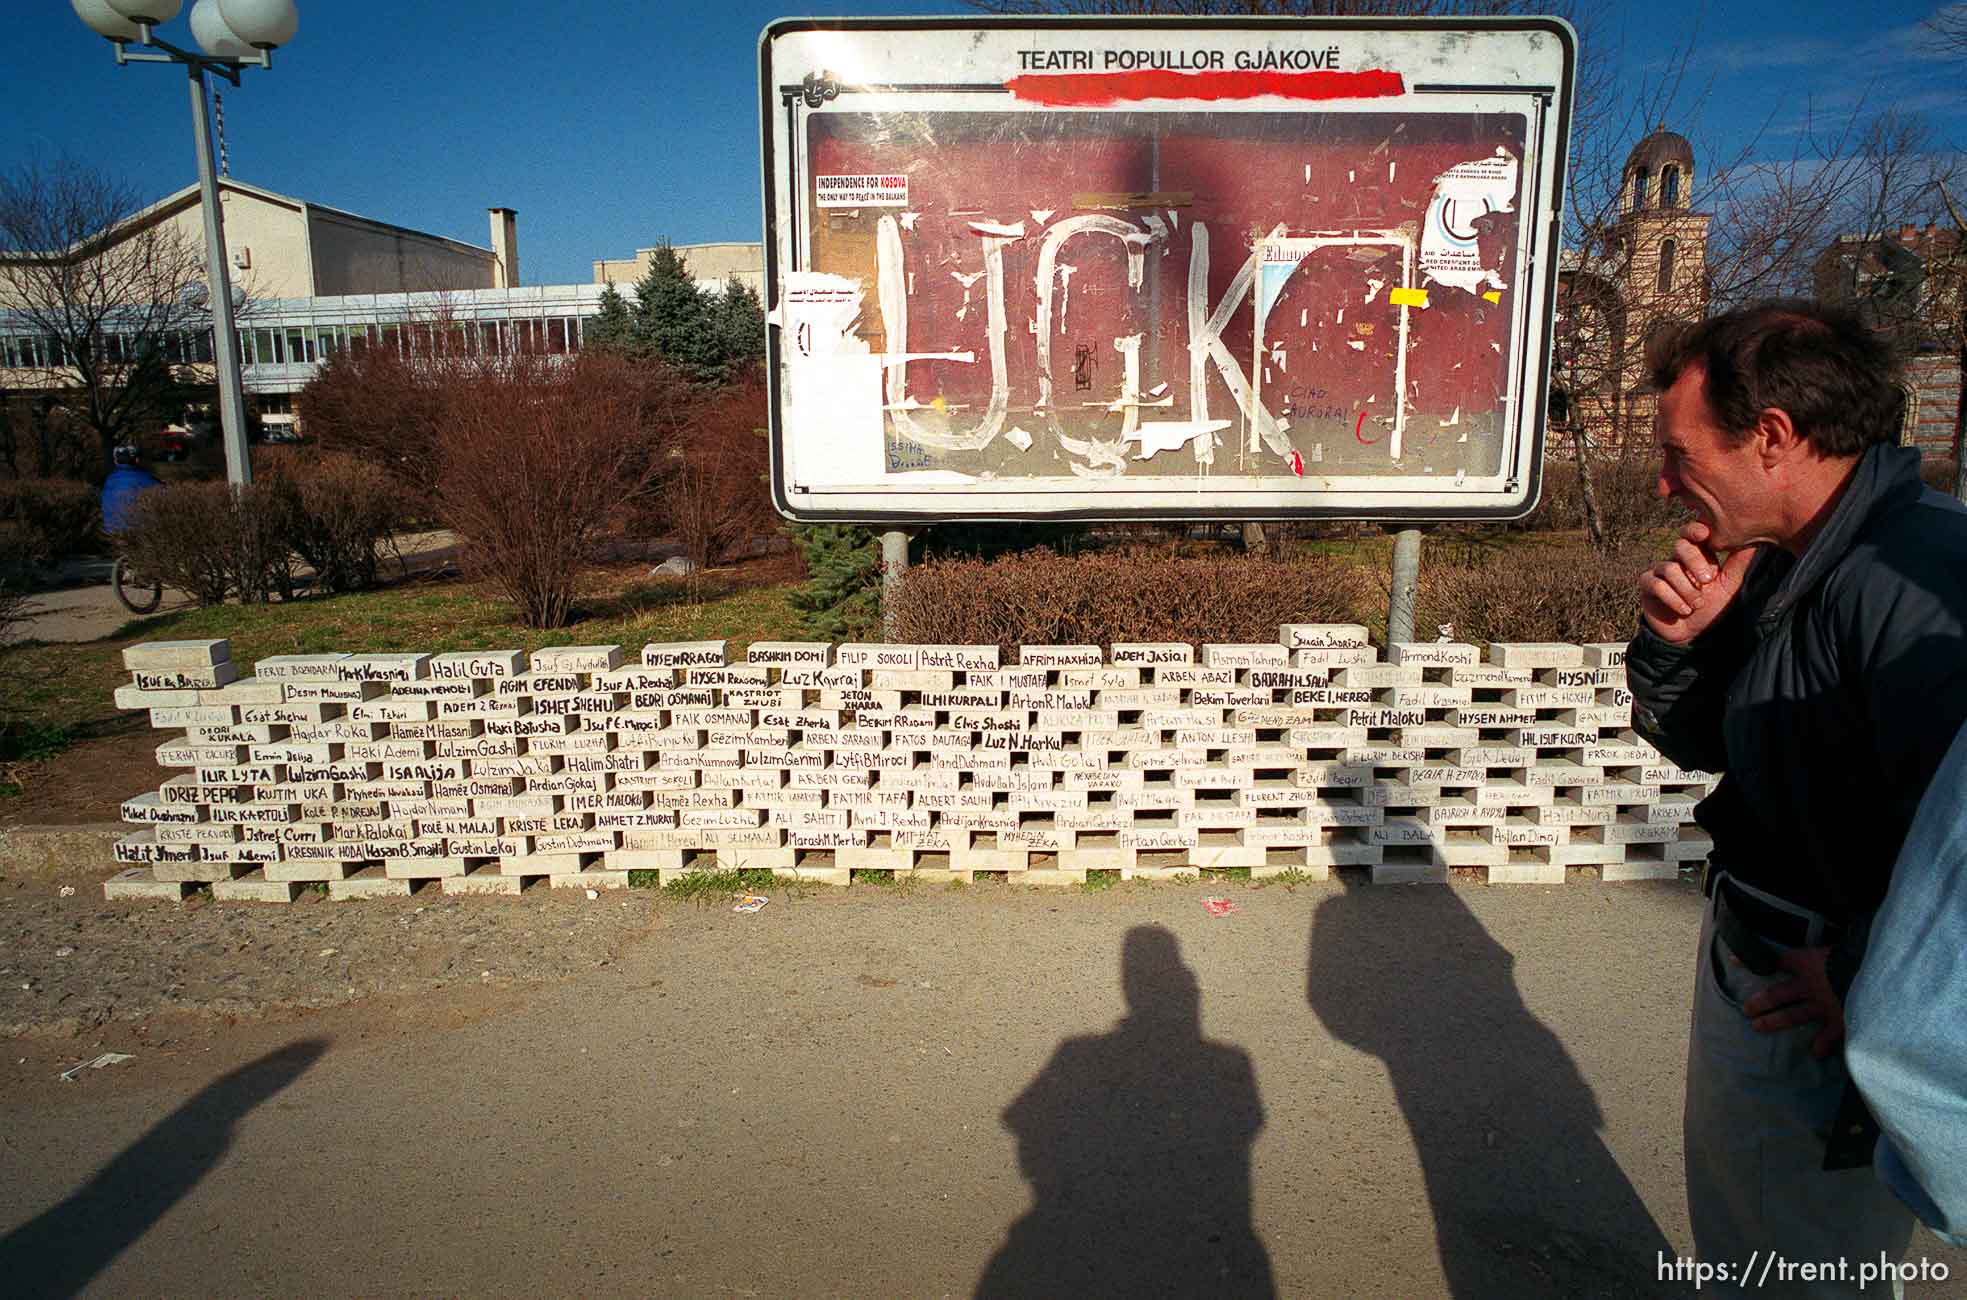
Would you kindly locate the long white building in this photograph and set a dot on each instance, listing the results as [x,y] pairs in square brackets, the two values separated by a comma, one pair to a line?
[318,279]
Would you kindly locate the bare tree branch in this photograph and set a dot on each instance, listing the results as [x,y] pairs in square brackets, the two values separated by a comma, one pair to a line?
[82,268]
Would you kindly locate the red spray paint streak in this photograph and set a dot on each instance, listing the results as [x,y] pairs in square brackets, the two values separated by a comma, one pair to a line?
[1095,89]
[1359,431]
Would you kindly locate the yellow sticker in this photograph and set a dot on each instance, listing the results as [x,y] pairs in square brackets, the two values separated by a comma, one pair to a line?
[1492,296]
[1408,297]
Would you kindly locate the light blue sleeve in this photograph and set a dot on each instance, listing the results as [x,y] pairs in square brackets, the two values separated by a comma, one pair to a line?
[1907,1012]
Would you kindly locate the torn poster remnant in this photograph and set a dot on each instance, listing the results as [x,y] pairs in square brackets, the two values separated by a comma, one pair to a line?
[1166,435]
[836,379]
[1451,249]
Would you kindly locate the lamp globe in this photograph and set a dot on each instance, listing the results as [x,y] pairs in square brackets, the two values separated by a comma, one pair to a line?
[262,24]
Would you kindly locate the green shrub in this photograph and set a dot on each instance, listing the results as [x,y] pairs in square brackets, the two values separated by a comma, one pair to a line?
[1041,598]
[44,519]
[841,600]
[1573,593]
[214,541]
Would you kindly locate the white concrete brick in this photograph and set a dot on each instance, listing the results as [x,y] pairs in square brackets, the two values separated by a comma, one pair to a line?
[1535,654]
[1323,636]
[1433,654]
[255,889]
[683,654]
[1605,654]
[169,656]
[425,868]
[1527,873]
[1410,873]
[372,882]
[1272,655]
[138,883]
[1614,872]
[1061,656]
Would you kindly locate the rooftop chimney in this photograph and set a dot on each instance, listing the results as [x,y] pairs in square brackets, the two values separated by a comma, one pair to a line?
[505,248]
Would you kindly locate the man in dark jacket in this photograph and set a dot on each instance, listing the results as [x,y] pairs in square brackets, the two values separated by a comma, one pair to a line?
[1808,638]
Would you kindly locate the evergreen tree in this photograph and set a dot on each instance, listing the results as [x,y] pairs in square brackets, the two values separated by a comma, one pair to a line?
[613,328]
[738,322]
[841,601]
[673,320]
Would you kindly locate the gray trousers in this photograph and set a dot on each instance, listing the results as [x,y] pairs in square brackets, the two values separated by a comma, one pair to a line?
[1758,1106]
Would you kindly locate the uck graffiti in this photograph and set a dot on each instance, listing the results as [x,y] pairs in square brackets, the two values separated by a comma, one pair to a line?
[1338,306]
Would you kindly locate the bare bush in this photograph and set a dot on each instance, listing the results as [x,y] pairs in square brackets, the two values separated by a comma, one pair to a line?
[13,610]
[13,614]
[41,520]
[1572,593]
[1627,492]
[1937,469]
[343,513]
[1040,598]
[213,540]
[375,404]
[536,455]
[714,493]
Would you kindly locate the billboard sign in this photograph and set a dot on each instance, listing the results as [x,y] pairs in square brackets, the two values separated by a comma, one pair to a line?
[1161,269]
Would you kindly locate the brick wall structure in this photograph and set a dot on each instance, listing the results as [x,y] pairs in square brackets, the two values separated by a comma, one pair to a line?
[483,769]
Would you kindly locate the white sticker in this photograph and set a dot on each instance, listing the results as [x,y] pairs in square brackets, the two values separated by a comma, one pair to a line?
[861,191]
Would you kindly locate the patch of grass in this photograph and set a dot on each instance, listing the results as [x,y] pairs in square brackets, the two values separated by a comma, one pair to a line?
[1099,880]
[33,740]
[1226,873]
[25,742]
[890,880]
[1290,878]
[644,880]
[702,884]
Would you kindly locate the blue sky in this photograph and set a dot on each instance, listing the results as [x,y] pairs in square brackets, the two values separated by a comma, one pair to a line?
[612,125]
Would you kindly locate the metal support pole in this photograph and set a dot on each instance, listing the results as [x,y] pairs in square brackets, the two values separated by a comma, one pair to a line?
[1406,577]
[894,563]
[232,393]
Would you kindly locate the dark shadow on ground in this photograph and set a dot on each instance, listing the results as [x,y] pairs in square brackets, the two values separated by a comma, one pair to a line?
[1137,1146]
[1527,1200]
[60,1250]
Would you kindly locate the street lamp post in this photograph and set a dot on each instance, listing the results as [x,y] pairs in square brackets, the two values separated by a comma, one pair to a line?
[234,34]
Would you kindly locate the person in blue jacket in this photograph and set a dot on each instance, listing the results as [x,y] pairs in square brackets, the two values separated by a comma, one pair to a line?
[1906,1018]
[121,488]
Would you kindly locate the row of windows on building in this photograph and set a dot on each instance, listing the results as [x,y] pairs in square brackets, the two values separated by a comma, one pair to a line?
[291,344]
[31,351]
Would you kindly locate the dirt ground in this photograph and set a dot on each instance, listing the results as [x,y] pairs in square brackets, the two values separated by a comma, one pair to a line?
[1353,1090]
[76,964]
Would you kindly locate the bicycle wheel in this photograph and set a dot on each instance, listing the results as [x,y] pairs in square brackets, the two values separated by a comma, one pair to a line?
[139,595]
